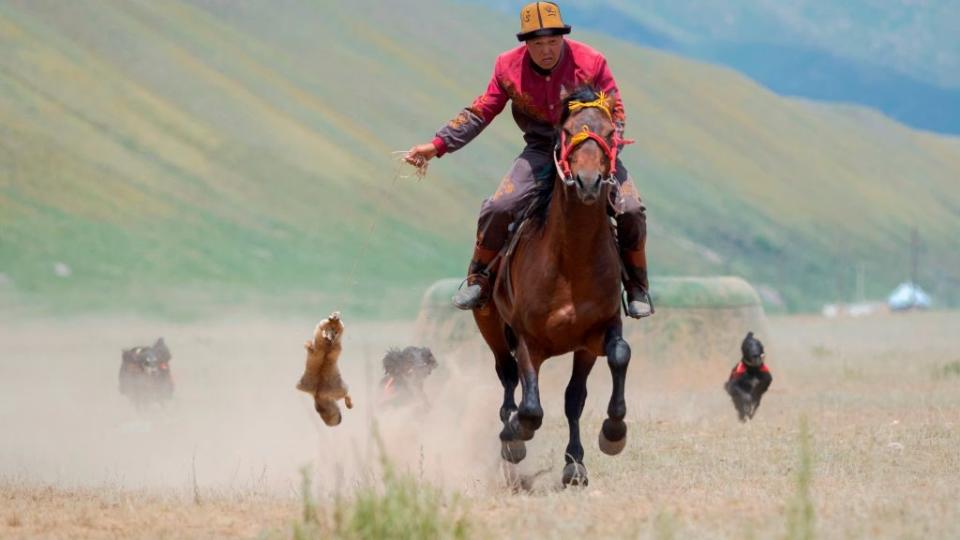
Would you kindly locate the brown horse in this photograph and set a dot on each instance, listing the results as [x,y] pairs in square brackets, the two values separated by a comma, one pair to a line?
[558,289]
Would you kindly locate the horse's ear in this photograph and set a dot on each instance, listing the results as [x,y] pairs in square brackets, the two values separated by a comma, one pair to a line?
[610,100]
[308,345]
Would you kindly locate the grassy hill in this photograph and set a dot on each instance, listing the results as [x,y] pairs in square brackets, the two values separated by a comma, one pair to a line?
[180,154]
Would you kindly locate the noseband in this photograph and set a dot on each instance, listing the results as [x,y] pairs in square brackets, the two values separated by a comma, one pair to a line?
[561,154]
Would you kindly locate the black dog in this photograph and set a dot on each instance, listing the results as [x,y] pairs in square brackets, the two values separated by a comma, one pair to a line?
[749,379]
[404,373]
[145,374]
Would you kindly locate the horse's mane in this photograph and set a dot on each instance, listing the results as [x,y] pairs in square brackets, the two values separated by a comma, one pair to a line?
[536,202]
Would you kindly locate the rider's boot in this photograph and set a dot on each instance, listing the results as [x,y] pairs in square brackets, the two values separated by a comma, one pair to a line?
[477,290]
[636,285]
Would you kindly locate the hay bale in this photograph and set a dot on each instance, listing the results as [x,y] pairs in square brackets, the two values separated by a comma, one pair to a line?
[724,292]
[697,329]
[440,326]
[452,335]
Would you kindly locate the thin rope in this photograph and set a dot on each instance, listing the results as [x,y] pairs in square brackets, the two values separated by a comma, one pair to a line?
[420,172]
[363,250]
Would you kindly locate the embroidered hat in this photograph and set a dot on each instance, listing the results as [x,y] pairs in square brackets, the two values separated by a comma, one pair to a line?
[539,19]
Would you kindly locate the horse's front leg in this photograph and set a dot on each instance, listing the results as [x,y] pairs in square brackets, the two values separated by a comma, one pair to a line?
[529,416]
[576,395]
[512,448]
[509,378]
[613,434]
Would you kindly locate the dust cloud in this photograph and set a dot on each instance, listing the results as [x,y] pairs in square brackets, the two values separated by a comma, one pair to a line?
[236,421]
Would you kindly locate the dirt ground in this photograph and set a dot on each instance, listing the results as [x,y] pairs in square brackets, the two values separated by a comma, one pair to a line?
[223,459]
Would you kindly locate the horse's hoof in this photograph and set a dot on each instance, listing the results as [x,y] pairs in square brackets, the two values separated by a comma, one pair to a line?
[513,451]
[575,474]
[608,441]
[531,422]
[517,429]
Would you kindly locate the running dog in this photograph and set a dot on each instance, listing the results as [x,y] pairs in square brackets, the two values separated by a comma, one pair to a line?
[749,379]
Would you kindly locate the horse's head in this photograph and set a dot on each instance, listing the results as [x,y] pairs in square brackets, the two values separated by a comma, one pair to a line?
[586,153]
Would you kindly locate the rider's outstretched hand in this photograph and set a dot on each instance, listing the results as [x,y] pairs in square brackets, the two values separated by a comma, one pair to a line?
[420,154]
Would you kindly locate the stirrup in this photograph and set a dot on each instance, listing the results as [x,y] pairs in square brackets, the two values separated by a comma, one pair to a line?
[460,300]
[646,299]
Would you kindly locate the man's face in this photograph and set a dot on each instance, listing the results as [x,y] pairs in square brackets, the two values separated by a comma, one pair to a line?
[545,51]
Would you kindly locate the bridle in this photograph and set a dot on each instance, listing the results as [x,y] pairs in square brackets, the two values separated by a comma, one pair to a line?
[561,154]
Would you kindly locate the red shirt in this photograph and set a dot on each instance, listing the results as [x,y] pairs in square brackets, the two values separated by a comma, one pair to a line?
[534,94]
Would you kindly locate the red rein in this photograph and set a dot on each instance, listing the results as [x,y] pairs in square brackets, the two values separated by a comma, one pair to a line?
[608,150]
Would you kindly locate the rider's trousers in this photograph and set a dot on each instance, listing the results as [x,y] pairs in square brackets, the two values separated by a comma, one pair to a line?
[535,164]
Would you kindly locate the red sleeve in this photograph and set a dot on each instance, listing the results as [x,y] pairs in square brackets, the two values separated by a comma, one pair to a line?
[472,120]
[491,102]
[604,81]
[439,145]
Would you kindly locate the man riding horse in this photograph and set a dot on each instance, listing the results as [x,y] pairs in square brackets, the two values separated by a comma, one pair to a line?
[535,77]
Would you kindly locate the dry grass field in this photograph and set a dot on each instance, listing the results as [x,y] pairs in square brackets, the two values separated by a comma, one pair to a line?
[881,456]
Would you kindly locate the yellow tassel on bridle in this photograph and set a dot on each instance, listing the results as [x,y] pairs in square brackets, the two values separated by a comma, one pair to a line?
[581,136]
[599,103]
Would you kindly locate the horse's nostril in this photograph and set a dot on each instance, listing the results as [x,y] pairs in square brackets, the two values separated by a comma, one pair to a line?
[579,182]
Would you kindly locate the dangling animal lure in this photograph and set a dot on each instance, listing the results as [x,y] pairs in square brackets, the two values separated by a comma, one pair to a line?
[321,376]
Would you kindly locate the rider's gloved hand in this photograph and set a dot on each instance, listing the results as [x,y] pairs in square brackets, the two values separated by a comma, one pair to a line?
[420,154]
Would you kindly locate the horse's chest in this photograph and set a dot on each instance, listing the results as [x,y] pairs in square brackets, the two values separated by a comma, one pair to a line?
[566,327]
[563,319]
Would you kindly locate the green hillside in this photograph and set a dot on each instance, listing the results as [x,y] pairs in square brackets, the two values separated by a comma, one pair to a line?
[184,154]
